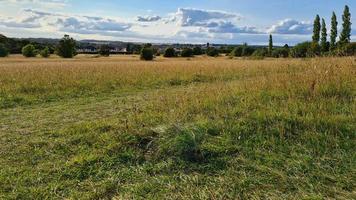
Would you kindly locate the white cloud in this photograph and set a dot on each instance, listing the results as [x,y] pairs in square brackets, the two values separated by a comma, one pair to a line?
[196,17]
[290,26]
[210,21]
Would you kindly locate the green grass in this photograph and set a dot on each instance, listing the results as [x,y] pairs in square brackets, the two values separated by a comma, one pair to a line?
[268,133]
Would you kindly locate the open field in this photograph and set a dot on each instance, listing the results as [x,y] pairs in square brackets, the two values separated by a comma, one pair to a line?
[202,128]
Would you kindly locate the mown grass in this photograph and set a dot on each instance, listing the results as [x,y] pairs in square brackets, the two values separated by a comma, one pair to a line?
[118,128]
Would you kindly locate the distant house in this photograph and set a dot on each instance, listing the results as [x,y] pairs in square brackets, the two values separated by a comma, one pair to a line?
[89,49]
[119,51]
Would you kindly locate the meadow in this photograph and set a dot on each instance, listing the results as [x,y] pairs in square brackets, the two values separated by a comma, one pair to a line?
[197,128]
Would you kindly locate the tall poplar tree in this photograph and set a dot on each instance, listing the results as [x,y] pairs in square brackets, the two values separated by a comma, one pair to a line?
[346,26]
[316,30]
[333,32]
[324,35]
[270,45]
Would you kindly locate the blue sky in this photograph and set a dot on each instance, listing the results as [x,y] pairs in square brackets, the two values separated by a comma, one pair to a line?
[184,21]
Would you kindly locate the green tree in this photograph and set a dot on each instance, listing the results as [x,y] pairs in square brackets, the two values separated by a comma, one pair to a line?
[45,53]
[147,53]
[3,50]
[313,50]
[169,52]
[213,52]
[66,47]
[247,50]
[237,52]
[346,26]
[316,30]
[300,50]
[260,53]
[324,35]
[187,52]
[197,51]
[333,32]
[270,45]
[29,51]
[282,52]
[104,50]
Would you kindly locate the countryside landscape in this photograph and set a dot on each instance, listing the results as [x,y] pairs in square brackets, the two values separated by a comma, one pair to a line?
[86,117]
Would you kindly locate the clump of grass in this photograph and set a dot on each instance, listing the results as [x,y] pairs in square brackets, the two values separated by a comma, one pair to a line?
[182,143]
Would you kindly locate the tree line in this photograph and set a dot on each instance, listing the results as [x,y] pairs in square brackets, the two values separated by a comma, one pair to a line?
[66,48]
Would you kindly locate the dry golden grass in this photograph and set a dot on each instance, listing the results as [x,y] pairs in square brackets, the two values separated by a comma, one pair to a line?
[31,80]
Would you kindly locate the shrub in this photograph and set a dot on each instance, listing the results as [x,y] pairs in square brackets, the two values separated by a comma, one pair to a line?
[3,51]
[280,53]
[147,53]
[29,51]
[197,51]
[170,52]
[213,52]
[300,50]
[262,52]
[66,47]
[226,50]
[237,52]
[243,50]
[247,51]
[45,53]
[104,50]
[345,50]
[187,52]
[314,49]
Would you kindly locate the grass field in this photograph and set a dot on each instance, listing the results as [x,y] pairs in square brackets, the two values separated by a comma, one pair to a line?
[200,128]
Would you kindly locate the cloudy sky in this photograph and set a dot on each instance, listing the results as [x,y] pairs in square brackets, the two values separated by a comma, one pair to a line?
[184,21]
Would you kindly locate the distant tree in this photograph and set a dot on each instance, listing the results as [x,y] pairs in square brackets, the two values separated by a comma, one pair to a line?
[197,51]
[314,50]
[136,49]
[346,26]
[29,51]
[316,30]
[333,32]
[3,50]
[45,53]
[260,52]
[270,45]
[280,53]
[147,45]
[213,52]
[170,52]
[247,50]
[147,53]
[351,49]
[237,52]
[324,39]
[66,47]
[104,50]
[300,50]
[226,49]
[187,52]
[129,48]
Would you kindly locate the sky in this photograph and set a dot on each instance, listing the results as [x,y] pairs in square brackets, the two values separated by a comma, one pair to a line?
[170,21]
